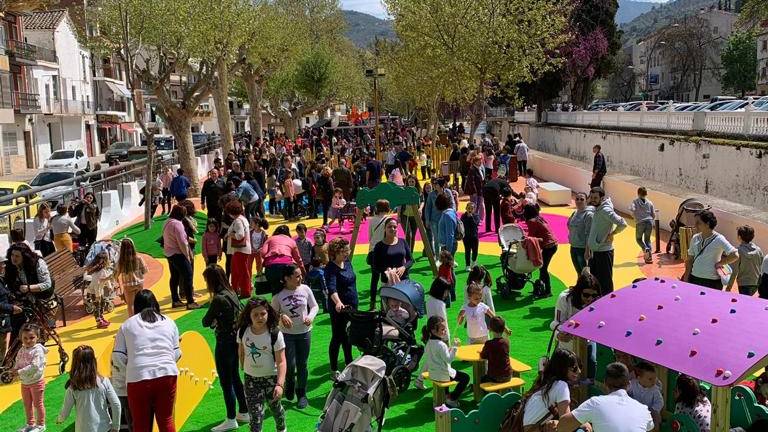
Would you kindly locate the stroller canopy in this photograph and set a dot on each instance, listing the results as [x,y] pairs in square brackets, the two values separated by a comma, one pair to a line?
[364,373]
[408,292]
[111,247]
[510,233]
[687,211]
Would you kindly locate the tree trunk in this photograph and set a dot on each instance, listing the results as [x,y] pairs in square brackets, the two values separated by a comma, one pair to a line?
[255,92]
[180,123]
[221,101]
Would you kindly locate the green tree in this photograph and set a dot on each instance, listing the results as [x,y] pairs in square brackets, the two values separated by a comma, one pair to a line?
[739,60]
[753,12]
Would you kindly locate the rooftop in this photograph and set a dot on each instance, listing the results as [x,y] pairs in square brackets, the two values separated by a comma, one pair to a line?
[47,20]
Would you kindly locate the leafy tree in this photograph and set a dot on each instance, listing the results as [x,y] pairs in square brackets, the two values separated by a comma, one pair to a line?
[739,60]
[622,82]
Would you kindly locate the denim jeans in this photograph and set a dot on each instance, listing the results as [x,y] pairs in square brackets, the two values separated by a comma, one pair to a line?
[296,356]
[181,277]
[643,234]
[477,200]
[435,240]
[229,375]
[578,260]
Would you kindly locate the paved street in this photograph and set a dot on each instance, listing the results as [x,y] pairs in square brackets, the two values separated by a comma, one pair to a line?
[29,174]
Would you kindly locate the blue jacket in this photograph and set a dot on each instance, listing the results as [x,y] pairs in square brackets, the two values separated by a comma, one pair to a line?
[446,229]
[342,282]
[431,213]
[179,186]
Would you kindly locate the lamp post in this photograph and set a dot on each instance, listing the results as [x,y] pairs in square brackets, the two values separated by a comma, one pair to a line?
[375,74]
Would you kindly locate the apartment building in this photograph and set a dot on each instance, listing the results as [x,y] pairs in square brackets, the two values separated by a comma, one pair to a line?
[762,59]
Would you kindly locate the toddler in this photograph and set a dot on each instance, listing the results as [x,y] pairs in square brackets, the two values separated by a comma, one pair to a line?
[438,358]
[129,271]
[304,245]
[445,271]
[320,249]
[212,249]
[644,389]
[100,287]
[337,204]
[496,352]
[272,192]
[258,237]
[746,271]
[482,277]
[29,366]
[397,313]
[474,313]
[644,213]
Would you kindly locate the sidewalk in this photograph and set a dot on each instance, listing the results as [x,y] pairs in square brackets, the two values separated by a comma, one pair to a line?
[27,175]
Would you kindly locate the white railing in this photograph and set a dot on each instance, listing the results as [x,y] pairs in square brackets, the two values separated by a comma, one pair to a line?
[752,123]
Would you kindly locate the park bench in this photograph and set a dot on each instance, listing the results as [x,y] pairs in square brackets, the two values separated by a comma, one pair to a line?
[67,277]
[438,389]
[554,194]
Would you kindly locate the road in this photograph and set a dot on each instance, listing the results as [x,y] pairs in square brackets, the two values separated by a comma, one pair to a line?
[29,174]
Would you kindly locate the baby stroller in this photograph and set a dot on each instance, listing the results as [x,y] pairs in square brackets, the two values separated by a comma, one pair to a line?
[394,342]
[38,310]
[516,268]
[360,394]
[112,248]
[684,218]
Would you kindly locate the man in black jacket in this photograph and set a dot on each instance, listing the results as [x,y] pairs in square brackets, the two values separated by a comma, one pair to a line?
[6,310]
[599,168]
[213,189]
[492,193]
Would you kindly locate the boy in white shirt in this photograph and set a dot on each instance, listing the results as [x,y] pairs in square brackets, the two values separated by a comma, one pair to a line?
[474,312]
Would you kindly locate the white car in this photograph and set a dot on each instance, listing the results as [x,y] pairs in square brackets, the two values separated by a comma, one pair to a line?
[47,177]
[68,159]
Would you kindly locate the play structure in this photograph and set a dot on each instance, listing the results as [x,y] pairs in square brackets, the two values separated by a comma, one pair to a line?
[397,196]
[682,328]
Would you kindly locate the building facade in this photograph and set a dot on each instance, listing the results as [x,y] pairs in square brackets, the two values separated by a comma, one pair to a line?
[762,59]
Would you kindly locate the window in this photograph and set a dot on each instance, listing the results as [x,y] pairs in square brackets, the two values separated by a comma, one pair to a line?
[765,44]
[55,86]
[10,145]
[6,97]
[306,120]
[715,30]
[74,93]
[79,154]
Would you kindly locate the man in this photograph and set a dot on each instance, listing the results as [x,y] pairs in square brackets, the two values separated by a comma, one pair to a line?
[404,157]
[342,178]
[213,189]
[474,185]
[598,167]
[492,192]
[180,185]
[247,195]
[600,239]
[521,151]
[432,214]
[372,172]
[614,412]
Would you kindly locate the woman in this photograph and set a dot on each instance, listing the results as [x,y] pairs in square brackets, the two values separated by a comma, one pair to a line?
[578,229]
[691,400]
[539,228]
[325,193]
[551,390]
[586,291]
[474,184]
[375,235]
[408,214]
[279,251]
[222,317]
[41,225]
[179,256]
[26,272]
[144,358]
[391,256]
[87,215]
[238,239]
[446,228]
[341,281]
[190,227]
[296,306]
[708,252]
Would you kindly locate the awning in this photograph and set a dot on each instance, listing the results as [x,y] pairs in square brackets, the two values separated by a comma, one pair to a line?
[107,125]
[128,127]
[118,89]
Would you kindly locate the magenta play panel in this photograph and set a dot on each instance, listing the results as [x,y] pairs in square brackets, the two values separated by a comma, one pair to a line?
[710,335]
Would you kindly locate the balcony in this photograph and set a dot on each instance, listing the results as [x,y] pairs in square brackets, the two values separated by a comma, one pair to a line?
[240,112]
[22,51]
[71,107]
[112,106]
[108,71]
[26,103]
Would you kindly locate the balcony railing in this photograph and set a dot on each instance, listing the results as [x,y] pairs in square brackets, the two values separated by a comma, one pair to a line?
[26,102]
[67,106]
[26,51]
[114,106]
[109,71]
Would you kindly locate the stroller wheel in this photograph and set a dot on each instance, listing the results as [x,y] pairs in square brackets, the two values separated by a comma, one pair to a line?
[109,306]
[89,307]
[540,290]
[6,377]
[63,363]
[402,377]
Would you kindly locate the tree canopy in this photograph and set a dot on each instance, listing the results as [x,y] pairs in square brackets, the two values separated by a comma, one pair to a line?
[739,60]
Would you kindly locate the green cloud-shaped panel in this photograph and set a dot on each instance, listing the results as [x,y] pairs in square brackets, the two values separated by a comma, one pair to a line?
[396,195]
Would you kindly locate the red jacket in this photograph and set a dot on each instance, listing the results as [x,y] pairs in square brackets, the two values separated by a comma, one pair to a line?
[475,181]
[539,228]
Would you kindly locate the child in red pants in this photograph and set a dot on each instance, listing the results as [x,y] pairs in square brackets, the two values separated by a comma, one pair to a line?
[30,364]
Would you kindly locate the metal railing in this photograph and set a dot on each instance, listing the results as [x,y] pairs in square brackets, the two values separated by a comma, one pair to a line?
[108,71]
[25,203]
[27,51]
[26,102]
[67,106]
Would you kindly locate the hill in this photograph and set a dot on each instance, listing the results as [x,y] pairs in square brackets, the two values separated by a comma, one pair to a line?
[662,15]
[631,9]
[363,29]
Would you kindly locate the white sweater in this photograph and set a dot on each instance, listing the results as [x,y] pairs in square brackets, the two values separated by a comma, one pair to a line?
[145,350]
[436,307]
[438,358]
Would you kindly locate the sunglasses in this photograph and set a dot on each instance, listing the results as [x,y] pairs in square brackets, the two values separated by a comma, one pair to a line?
[575,369]
[580,199]
[589,295]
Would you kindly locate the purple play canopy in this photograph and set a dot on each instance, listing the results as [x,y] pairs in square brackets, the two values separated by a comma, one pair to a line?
[710,335]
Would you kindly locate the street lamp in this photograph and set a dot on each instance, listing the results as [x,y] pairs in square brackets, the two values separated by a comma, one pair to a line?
[648,62]
[375,74]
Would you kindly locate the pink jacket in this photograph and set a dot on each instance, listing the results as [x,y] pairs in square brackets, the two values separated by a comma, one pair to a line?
[175,238]
[281,249]
[211,244]
[533,250]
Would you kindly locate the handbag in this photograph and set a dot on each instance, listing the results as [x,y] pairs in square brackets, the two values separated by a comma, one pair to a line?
[369,257]
[701,251]
[235,243]
[513,419]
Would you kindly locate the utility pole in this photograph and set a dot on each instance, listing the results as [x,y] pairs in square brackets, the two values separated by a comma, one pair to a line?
[375,74]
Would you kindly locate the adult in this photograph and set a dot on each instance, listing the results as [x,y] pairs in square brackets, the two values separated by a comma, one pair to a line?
[408,214]
[446,228]
[432,214]
[376,230]
[87,215]
[709,252]
[551,389]
[341,282]
[41,225]
[493,190]
[474,185]
[180,186]
[391,256]
[297,308]
[691,400]
[177,252]
[579,223]
[61,225]
[278,252]
[213,189]
[581,295]
[614,412]
[165,181]
[7,309]
[247,196]
[26,272]
[222,317]
[521,152]
[606,223]
[144,359]
[342,179]
[599,168]
[238,239]
[372,172]
[325,193]
[538,228]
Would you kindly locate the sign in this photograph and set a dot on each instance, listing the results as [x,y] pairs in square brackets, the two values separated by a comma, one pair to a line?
[653,79]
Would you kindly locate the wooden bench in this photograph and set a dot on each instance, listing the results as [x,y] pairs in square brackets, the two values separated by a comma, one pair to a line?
[67,277]
[514,383]
[438,389]
[518,367]
[554,194]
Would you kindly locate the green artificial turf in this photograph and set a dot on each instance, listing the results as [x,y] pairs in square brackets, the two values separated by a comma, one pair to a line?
[411,411]
[146,240]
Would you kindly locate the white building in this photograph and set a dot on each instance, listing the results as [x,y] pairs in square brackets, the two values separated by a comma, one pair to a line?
[762,59]
[64,86]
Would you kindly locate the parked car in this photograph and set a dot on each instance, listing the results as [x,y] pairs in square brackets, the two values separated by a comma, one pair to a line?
[637,106]
[118,151]
[721,98]
[200,138]
[8,188]
[71,159]
[47,177]
[712,106]
[738,105]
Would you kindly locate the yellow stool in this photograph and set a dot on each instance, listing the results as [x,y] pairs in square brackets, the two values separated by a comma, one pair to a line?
[438,389]
[514,383]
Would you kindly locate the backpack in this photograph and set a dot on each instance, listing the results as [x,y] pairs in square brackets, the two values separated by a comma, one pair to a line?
[459,235]
[91,215]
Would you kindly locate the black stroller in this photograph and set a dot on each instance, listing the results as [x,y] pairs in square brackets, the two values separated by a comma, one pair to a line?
[394,342]
[685,214]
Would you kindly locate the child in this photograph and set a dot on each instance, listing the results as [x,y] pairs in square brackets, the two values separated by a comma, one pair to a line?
[445,271]
[643,389]
[212,249]
[496,352]
[337,204]
[439,357]
[130,271]
[29,366]
[272,192]
[261,350]
[100,286]
[304,245]
[747,269]
[531,182]
[397,313]
[438,293]
[481,276]
[316,282]
[289,195]
[474,312]
[259,235]
[644,213]
[96,403]
[320,249]
[471,221]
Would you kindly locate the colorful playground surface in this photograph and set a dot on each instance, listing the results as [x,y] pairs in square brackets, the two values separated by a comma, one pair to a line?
[200,405]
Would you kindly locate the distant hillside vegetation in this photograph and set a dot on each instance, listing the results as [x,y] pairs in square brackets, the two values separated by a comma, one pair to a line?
[363,29]
[662,15]
[631,9]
